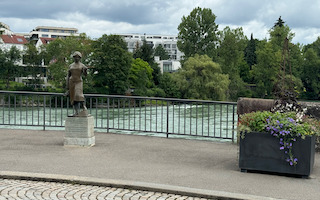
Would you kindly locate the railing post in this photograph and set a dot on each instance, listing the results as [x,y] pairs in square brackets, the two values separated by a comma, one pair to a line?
[108,102]
[167,119]
[233,122]
[44,112]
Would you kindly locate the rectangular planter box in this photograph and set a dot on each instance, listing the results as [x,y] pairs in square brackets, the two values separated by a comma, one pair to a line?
[261,151]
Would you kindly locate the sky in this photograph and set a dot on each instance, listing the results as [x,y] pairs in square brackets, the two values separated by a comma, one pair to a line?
[98,17]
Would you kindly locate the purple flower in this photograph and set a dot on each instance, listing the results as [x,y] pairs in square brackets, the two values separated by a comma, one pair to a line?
[281,139]
[278,121]
[294,139]
[288,160]
[281,148]
[295,160]
[291,163]
[286,152]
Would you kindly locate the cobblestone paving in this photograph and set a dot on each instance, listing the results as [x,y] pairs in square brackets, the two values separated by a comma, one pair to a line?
[25,189]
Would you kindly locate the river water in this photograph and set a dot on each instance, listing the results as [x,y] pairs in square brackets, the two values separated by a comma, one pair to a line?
[186,121]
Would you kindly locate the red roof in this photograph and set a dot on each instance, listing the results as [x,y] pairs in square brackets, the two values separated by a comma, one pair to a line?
[14,39]
[46,40]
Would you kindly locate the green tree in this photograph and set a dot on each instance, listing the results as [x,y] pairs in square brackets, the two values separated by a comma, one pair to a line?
[169,85]
[9,68]
[266,71]
[232,43]
[278,33]
[33,59]
[136,78]
[58,56]
[198,33]
[146,53]
[279,23]
[315,46]
[161,52]
[112,62]
[250,52]
[311,74]
[201,78]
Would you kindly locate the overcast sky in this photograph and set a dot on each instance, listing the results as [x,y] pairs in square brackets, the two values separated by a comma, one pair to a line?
[98,17]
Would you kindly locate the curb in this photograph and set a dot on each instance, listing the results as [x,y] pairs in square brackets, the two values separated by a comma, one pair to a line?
[184,191]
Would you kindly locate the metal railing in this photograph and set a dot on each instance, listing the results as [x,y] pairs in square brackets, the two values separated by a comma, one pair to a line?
[211,119]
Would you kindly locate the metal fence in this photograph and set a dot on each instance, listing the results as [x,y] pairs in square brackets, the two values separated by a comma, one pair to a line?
[211,119]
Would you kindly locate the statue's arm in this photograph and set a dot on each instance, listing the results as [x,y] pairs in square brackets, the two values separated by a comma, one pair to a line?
[68,77]
[84,70]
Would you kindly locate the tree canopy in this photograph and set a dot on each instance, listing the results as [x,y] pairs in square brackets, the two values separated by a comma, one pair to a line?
[198,33]
[8,64]
[112,62]
[161,52]
[201,78]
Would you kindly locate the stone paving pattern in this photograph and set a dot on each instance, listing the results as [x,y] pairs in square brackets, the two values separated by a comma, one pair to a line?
[26,189]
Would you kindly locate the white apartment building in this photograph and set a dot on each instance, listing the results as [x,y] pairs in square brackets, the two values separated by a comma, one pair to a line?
[168,42]
[5,29]
[167,65]
[52,32]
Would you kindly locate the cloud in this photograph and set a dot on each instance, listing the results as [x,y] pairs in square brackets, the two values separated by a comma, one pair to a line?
[97,17]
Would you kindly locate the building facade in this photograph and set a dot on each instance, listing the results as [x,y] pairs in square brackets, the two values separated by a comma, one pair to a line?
[168,42]
[52,32]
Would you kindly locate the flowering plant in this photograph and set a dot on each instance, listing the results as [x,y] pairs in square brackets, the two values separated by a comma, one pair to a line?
[286,126]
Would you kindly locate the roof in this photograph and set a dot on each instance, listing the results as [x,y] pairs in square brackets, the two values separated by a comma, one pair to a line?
[57,28]
[14,39]
[46,40]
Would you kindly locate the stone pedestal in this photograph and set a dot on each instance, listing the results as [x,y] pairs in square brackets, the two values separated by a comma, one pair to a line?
[79,131]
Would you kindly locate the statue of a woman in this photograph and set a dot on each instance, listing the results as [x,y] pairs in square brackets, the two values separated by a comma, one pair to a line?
[75,84]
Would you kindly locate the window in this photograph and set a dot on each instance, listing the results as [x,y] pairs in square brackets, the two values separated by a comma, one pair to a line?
[54,36]
[45,35]
[62,31]
[44,30]
[20,40]
[157,37]
[165,38]
[136,36]
[166,46]
[167,67]
[174,46]
[171,37]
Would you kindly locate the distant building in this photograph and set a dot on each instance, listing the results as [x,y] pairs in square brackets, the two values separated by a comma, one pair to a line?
[167,65]
[43,41]
[7,41]
[5,29]
[168,42]
[52,32]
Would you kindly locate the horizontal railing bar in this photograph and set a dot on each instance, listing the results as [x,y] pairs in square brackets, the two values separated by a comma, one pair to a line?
[120,96]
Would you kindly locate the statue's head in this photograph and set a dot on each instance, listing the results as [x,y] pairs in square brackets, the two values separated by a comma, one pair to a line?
[77,53]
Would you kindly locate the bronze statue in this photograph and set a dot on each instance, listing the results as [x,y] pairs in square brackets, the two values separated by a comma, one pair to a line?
[75,84]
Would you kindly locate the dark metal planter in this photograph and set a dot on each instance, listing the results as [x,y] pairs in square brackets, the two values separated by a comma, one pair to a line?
[261,151]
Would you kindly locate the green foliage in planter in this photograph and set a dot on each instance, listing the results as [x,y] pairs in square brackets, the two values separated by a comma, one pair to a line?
[287,126]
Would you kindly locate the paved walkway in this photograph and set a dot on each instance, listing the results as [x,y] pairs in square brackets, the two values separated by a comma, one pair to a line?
[26,189]
[186,168]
